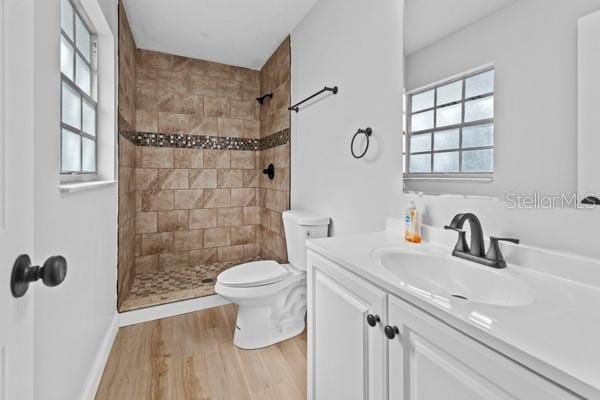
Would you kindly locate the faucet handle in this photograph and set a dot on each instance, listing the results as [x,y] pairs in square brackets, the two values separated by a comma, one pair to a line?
[494,240]
[451,228]
[461,243]
[494,253]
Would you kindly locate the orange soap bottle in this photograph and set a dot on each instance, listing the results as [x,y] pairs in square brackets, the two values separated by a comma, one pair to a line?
[412,232]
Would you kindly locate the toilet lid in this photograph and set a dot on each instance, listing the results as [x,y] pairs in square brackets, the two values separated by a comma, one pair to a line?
[257,273]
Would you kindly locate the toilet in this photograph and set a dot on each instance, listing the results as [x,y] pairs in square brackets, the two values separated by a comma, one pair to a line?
[272,296]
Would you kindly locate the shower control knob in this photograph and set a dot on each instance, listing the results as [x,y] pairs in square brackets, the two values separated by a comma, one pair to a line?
[52,273]
[391,331]
[372,320]
[269,171]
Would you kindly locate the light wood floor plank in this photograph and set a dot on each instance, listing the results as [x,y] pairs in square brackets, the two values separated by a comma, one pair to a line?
[192,357]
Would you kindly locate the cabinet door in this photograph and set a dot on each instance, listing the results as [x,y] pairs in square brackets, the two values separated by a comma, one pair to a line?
[347,356]
[430,360]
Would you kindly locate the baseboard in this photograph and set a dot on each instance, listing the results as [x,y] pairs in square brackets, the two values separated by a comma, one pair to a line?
[93,379]
[169,310]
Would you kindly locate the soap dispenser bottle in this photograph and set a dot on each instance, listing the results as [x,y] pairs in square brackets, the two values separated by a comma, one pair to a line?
[412,224]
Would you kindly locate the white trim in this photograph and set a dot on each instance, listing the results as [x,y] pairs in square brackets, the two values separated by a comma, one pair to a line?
[81,186]
[169,310]
[454,177]
[92,381]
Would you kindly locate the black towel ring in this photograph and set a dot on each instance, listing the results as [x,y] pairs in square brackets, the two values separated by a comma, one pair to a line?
[367,132]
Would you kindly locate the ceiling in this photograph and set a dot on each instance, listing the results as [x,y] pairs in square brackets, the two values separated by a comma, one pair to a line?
[236,32]
[427,21]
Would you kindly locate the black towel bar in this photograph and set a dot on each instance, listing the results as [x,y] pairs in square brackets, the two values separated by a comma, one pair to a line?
[333,90]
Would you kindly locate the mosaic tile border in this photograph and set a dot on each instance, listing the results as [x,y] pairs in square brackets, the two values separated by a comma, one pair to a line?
[175,140]
[276,139]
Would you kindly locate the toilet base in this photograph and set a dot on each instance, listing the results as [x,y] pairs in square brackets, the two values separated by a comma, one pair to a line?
[271,320]
[253,329]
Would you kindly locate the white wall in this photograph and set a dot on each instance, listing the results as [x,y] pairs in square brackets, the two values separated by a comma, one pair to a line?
[533,45]
[356,45]
[328,47]
[71,320]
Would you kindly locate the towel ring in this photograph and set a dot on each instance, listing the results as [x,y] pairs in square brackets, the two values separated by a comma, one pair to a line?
[367,132]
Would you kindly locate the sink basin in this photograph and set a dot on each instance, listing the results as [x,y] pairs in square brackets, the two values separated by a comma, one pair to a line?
[430,275]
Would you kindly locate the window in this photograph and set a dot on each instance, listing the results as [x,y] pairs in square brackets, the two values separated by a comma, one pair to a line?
[450,128]
[78,104]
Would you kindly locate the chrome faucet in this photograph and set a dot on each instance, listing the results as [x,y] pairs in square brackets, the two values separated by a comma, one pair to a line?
[475,251]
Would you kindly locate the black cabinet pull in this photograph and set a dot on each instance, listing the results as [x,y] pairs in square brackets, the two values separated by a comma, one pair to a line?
[391,331]
[52,273]
[372,320]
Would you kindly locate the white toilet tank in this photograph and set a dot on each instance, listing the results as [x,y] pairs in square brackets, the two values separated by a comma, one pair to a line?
[300,225]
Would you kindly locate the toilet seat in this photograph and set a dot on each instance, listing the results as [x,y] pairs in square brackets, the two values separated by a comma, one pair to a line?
[253,274]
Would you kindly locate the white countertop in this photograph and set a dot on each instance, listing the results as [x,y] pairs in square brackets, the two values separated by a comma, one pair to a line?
[558,335]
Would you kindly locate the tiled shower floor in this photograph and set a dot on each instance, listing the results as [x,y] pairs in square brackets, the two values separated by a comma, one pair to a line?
[160,287]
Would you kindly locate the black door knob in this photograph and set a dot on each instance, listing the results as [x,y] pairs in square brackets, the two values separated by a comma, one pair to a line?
[372,320]
[391,331]
[52,273]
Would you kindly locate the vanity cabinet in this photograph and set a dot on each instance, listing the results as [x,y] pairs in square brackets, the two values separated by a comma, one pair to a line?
[348,357]
[408,355]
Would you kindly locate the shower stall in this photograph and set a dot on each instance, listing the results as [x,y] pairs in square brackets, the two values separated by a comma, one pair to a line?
[194,139]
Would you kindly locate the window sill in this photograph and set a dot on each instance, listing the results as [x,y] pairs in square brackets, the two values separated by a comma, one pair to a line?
[73,187]
[459,178]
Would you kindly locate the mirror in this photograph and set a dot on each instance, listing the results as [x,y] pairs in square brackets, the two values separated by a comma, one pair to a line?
[492,95]
[588,101]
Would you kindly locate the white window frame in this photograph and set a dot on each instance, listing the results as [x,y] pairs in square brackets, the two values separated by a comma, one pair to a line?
[80,175]
[409,133]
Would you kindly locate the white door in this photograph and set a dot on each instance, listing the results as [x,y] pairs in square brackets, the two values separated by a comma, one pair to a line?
[16,194]
[347,355]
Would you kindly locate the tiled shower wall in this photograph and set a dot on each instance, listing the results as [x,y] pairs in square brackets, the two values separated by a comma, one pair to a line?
[127,150]
[274,195]
[190,168]
[196,206]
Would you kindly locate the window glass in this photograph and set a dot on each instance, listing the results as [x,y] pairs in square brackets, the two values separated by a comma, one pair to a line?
[71,151]
[449,93]
[66,58]
[78,106]
[451,128]
[66,18]
[89,155]
[420,143]
[445,140]
[71,106]
[446,162]
[84,75]
[476,110]
[422,121]
[479,84]
[89,118]
[84,39]
[478,136]
[420,163]
[449,115]
[422,101]
[478,160]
